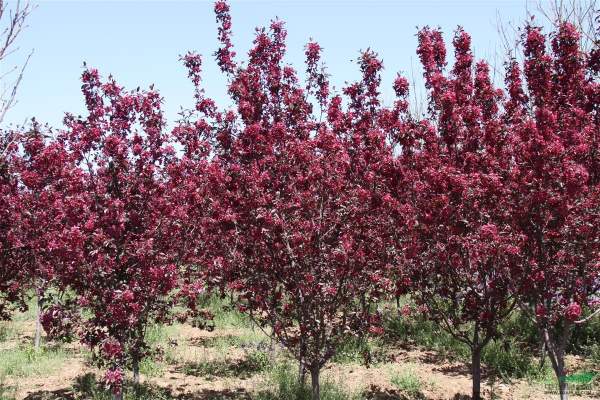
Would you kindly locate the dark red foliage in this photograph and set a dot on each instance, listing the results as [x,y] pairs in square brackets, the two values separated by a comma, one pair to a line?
[553,115]
[309,207]
[128,264]
[300,215]
[455,162]
[49,210]
[60,322]
[11,276]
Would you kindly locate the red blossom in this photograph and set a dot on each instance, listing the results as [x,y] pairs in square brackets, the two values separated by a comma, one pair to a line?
[113,378]
[573,312]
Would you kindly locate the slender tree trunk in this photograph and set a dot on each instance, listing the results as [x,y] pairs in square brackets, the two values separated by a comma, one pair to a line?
[316,387]
[558,365]
[136,370]
[301,374]
[38,322]
[559,370]
[476,371]
[301,365]
[117,395]
[556,353]
[562,387]
[135,360]
[542,355]
[271,348]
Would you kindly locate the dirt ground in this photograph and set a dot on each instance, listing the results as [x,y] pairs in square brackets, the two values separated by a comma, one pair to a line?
[191,351]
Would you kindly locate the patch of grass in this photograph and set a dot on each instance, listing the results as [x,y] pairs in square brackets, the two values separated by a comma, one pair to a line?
[427,334]
[158,337]
[151,368]
[87,386]
[244,339]
[508,360]
[10,329]
[541,376]
[283,384]
[7,330]
[30,311]
[240,331]
[25,361]
[585,336]
[160,334]
[225,313]
[258,360]
[360,350]
[409,383]
[594,354]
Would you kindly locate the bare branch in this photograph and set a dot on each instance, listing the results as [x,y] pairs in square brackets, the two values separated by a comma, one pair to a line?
[592,315]
[14,22]
[552,13]
[6,103]
[580,13]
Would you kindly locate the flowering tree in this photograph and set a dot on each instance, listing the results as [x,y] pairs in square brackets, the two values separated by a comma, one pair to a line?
[555,177]
[456,163]
[13,21]
[127,268]
[300,211]
[49,207]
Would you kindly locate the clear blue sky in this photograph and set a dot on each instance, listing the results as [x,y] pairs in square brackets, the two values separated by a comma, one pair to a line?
[139,42]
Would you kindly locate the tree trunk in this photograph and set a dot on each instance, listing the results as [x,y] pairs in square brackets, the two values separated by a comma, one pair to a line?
[301,374]
[476,372]
[316,387]
[136,370]
[38,322]
[558,365]
[556,353]
[542,355]
[271,348]
[135,359]
[562,387]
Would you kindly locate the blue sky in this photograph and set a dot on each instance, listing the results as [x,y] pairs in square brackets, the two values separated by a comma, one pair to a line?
[139,42]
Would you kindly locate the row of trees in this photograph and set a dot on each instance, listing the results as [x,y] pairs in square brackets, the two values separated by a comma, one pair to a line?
[311,207]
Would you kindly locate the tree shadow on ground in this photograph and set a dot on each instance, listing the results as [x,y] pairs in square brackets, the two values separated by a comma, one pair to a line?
[435,358]
[243,368]
[88,388]
[230,340]
[376,393]
[455,370]
[214,341]
[452,368]
[60,394]
[460,396]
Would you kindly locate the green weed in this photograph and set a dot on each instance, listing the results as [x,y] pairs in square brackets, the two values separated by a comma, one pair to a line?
[25,361]
[409,383]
